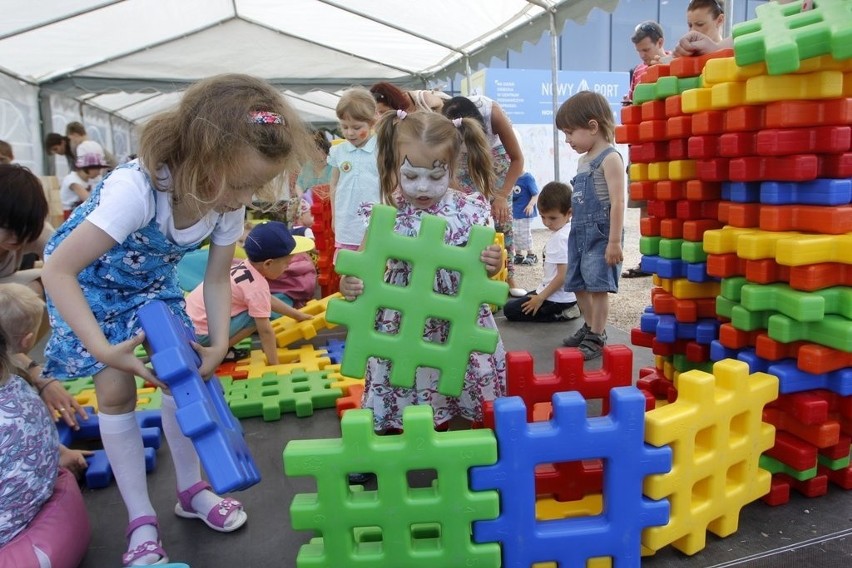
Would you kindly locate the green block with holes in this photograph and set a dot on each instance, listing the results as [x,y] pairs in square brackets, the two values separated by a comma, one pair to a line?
[398,523]
[271,395]
[774,466]
[417,302]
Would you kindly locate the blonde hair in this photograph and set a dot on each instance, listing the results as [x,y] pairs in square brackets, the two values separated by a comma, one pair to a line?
[201,139]
[21,311]
[584,107]
[436,131]
[358,104]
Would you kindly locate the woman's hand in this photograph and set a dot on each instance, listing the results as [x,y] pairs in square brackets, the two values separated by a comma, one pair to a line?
[500,209]
[694,43]
[59,401]
[492,257]
[351,287]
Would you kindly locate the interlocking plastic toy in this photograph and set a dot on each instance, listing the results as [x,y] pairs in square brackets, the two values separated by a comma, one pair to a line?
[268,396]
[304,357]
[716,432]
[783,35]
[414,527]
[616,437]
[417,302]
[202,412]
[288,330]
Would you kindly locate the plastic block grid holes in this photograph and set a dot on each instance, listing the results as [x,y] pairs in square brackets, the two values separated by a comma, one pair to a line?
[417,303]
[271,395]
[716,433]
[617,438]
[395,525]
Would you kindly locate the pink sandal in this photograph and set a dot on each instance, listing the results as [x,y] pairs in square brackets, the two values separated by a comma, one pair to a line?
[217,516]
[146,548]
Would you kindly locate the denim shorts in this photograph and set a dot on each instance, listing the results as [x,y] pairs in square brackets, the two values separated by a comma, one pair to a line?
[587,267]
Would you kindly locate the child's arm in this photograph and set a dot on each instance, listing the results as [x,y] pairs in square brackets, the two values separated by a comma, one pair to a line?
[80,249]
[267,340]
[492,257]
[332,188]
[614,175]
[217,302]
[281,307]
[532,305]
[81,191]
[502,127]
[73,460]
[533,202]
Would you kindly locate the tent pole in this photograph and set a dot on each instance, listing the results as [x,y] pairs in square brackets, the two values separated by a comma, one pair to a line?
[554,80]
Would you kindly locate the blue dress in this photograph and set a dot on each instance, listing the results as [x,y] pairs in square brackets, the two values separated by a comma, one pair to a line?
[139,270]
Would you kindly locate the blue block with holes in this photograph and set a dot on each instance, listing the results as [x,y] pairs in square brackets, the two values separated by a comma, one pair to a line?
[816,192]
[792,379]
[99,472]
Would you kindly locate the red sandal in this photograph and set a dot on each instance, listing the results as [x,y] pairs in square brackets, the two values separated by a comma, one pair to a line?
[217,516]
[146,548]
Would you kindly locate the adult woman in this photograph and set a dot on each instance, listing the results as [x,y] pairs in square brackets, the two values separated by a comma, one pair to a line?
[390,97]
[706,17]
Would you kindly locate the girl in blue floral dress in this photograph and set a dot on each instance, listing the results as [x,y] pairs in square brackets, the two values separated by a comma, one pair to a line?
[199,166]
[416,155]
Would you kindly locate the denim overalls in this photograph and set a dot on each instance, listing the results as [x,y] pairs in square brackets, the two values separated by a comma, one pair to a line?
[590,220]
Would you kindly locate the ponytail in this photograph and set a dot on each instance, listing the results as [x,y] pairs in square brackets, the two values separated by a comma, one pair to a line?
[479,160]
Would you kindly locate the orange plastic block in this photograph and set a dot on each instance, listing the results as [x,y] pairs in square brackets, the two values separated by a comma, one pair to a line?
[740,214]
[653,110]
[669,190]
[744,118]
[631,114]
[642,190]
[650,130]
[671,228]
[826,220]
[725,265]
[351,400]
[673,106]
[734,338]
[818,140]
[692,66]
[820,435]
[694,229]
[766,271]
[708,122]
[713,170]
[677,149]
[792,114]
[687,311]
[655,72]
[821,275]
[810,357]
[649,226]
[809,86]
[627,133]
[699,190]
[679,126]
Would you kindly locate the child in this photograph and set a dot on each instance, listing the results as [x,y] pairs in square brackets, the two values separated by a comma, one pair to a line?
[597,230]
[524,199]
[550,302]
[76,186]
[355,179]
[269,248]
[305,221]
[199,166]
[417,154]
[7,156]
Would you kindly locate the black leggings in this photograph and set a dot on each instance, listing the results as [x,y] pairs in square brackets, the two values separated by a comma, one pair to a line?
[548,311]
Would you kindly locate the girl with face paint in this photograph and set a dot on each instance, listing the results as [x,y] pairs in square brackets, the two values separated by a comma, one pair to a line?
[417,154]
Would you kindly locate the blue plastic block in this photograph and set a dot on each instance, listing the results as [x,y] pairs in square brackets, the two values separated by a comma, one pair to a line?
[719,351]
[755,364]
[649,321]
[617,438]
[649,263]
[792,379]
[741,191]
[149,421]
[334,350]
[202,413]
[697,272]
[99,472]
[703,331]
[666,267]
[816,192]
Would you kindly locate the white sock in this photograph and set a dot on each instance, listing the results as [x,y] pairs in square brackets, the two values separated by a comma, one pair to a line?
[122,441]
[185,458]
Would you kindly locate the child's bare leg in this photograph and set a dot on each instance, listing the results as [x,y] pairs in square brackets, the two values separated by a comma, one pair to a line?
[598,311]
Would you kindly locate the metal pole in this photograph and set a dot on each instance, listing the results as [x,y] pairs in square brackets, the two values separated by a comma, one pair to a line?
[554,80]
[729,18]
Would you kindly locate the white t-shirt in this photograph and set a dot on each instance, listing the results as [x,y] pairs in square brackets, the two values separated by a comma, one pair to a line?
[556,252]
[67,196]
[128,204]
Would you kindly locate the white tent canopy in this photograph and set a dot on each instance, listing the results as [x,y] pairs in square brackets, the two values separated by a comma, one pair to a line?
[131,58]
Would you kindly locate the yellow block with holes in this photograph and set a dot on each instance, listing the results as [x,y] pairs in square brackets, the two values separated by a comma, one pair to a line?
[728,95]
[724,240]
[771,88]
[696,100]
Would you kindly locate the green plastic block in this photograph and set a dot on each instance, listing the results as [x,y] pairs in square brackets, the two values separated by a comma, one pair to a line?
[644,92]
[774,466]
[801,306]
[831,464]
[693,252]
[732,288]
[670,248]
[649,246]
[832,331]
[747,320]
[76,386]
[724,306]
[270,395]
[682,364]
[396,524]
[783,35]
[417,302]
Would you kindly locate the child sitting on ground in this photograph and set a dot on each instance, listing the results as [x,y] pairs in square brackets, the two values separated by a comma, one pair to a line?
[550,302]
[269,248]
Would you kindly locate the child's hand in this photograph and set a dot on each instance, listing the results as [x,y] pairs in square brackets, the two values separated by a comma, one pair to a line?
[528,209]
[73,460]
[211,358]
[351,287]
[304,317]
[531,306]
[492,257]
[59,401]
[614,255]
[123,357]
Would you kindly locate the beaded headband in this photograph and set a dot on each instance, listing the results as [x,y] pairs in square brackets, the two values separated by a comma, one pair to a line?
[265,117]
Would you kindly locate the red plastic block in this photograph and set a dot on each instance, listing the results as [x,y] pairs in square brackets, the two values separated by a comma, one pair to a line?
[835,220]
[743,215]
[668,190]
[230,370]
[841,477]
[820,435]
[792,114]
[697,352]
[693,230]
[793,452]
[652,130]
[766,271]
[779,492]
[725,265]
[836,166]
[568,375]
[699,190]
[653,110]
[642,190]
[819,140]
[569,481]
[801,167]
[649,226]
[744,119]
[655,72]
[693,66]
[811,277]
[653,381]
[679,127]
[808,407]
[649,152]
[351,400]
[631,114]
[677,149]
[772,350]
[627,133]
[673,106]
[708,122]
[671,228]
[735,144]
[713,170]
[687,311]
[703,147]
[734,338]
[818,359]
[641,338]
[697,209]
[839,450]
[662,209]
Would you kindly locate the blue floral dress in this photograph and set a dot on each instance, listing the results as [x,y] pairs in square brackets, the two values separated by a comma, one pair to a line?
[485,378]
[116,285]
[29,456]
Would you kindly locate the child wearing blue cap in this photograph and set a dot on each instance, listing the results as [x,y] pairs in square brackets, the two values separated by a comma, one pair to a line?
[269,248]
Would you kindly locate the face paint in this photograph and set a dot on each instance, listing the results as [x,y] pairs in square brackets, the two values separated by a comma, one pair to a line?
[423,187]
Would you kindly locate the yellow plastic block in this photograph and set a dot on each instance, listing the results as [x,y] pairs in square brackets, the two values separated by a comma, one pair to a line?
[638,172]
[696,100]
[683,289]
[550,509]
[726,70]
[727,95]
[87,398]
[305,357]
[600,562]
[716,432]
[724,240]
[287,330]
[658,171]
[813,249]
[762,244]
[343,383]
[682,170]
[819,85]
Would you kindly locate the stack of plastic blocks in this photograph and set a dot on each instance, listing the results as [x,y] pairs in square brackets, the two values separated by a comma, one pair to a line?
[327,278]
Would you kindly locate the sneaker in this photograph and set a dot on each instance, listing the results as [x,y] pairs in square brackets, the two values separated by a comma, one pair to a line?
[577,338]
[569,313]
[592,345]
[530,259]
[519,259]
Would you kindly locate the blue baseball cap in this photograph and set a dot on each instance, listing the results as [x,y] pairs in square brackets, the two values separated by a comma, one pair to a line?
[273,240]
